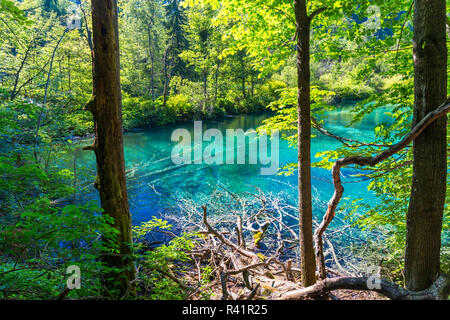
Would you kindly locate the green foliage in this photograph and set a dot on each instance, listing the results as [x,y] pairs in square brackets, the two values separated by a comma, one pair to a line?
[221,57]
[166,259]
[140,231]
[390,180]
[285,108]
[180,107]
[37,250]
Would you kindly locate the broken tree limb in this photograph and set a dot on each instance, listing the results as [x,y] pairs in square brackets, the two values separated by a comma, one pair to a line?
[438,291]
[225,241]
[442,110]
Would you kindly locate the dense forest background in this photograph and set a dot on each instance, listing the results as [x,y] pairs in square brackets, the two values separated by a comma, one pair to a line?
[181,61]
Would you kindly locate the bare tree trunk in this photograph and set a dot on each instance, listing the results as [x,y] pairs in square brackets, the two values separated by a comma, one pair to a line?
[152,59]
[68,70]
[22,64]
[166,78]
[426,206]
[216,82]
[106,107]
[38,125]
[308,264]
[205,86]
[252,88]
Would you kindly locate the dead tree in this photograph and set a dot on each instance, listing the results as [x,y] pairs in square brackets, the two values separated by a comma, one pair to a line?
[438,291]
[106,107]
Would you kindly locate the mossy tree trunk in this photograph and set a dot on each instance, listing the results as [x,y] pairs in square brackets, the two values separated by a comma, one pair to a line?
[425,213]
[106,106]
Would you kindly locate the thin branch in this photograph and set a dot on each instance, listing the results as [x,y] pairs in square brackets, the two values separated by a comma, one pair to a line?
[366,161]
[317,12]
[357,144]
[401,31]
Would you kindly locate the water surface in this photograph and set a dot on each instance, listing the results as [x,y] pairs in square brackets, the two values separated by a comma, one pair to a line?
[154,181]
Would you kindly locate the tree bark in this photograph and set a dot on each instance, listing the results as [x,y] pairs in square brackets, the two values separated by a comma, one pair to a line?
[166,78]
[106,106]
[308,264]
[152,60]
[426,206]
[205,86]
[216,82]
[439,290]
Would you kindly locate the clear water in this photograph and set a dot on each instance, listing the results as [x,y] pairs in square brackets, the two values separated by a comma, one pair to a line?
[154,181]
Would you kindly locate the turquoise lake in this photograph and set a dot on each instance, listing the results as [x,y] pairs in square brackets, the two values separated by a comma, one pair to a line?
[154,181]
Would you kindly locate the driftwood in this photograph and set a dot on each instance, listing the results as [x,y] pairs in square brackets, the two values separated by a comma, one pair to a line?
[442,110]
[240,272]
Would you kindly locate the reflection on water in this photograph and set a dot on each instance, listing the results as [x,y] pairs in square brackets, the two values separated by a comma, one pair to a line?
[153,180]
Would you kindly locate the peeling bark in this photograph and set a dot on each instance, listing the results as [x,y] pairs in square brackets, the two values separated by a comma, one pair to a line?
[106,106]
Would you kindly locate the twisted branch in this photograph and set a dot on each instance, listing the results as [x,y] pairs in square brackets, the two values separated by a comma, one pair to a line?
[442,110]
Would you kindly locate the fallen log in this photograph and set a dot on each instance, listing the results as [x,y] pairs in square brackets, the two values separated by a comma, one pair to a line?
[440,289]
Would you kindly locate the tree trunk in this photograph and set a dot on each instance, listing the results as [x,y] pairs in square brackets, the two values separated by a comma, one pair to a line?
[152,60]
[425,212]
[106,107]
[216,83]
[252,88]
[166,78]
[308,264]
[68,70]
[205,87]
[244,91]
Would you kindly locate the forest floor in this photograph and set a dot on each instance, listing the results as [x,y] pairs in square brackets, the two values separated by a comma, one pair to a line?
[357,295]
[236,290]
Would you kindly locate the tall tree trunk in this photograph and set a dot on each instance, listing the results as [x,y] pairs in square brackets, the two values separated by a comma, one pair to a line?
[68,70]
[205,86]
[308,264]
[106,106]
[166,78]
[152,60]
[252,88]
[216,82]
[425,212]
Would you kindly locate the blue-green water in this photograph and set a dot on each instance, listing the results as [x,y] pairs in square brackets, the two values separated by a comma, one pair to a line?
[154,181]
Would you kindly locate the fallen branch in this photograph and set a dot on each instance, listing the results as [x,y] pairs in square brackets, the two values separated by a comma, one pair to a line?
[438,291]
[442,110]
[225,241]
